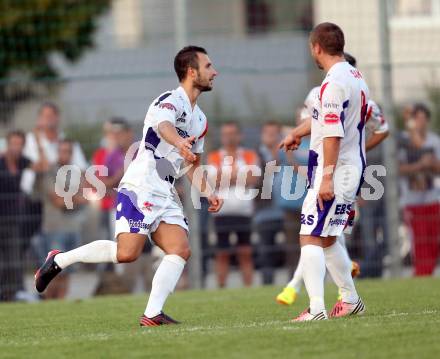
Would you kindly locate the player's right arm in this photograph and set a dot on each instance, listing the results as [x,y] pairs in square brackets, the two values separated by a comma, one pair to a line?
[163,114]
[169,133]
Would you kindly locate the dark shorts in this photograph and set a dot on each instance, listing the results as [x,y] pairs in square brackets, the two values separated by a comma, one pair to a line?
[225,225]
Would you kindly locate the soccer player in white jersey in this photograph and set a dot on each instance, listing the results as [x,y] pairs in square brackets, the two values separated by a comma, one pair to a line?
[174,130]
[335,168]
[376,131]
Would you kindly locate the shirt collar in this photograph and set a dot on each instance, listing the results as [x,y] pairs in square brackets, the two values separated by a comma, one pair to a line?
[182,92]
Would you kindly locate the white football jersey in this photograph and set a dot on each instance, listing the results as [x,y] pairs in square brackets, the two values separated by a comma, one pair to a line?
[339,111]
[157,163]
[375,121]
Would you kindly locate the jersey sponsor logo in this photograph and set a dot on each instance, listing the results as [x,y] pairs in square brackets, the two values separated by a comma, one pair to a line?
[307,219]
[331,118]
[315,114]
[147,206]
[182,133]
[168,106]
[330,105]
[343,208]
[182,118]
[337,222]
[138,224]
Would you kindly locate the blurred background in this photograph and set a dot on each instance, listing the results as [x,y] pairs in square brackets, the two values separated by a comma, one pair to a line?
[76,79]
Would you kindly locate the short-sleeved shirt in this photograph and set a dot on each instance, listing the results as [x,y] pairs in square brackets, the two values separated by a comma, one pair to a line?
[339,111]
[421,187]
[50,149]
[158,163]
[55,219]
[233,205]
[375,121]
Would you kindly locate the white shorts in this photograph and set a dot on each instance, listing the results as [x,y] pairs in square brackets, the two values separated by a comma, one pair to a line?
[336,216]
[142,212]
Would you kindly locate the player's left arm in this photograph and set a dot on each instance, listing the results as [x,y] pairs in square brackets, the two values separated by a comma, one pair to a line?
[380,131]
[375,139]
[202,184]
[330,151]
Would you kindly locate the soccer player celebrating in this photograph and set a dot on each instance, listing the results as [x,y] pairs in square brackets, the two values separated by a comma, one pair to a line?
[174,130]
[376,131]
[336,165]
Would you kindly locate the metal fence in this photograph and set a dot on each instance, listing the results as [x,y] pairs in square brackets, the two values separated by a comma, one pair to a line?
[260,48]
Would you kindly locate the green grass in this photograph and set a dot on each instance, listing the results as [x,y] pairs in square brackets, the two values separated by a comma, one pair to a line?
[403,321]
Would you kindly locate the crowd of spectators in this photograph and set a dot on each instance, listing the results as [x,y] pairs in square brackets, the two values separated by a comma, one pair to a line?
[253,234]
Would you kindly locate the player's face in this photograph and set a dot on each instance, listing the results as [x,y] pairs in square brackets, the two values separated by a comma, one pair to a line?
[315,51]
[204,76]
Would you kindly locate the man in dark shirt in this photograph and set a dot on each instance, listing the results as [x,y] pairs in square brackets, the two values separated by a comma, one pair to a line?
[12,211]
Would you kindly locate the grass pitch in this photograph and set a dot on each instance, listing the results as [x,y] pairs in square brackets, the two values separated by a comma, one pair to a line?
[402,321]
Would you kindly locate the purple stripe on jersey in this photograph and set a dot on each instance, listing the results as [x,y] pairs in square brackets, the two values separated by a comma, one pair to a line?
[151,140]
[322,215]
[344,106]
[311,166]
[360,128]
[127,204]
[164,167]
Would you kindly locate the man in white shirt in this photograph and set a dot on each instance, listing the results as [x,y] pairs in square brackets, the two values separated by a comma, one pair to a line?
[335,168]
[376,131]
[46,136]
[174,131]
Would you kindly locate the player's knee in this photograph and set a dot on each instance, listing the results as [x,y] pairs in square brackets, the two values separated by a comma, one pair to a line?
[126,256]
[184,252]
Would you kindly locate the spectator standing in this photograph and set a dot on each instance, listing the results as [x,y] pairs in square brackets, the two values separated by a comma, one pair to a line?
[111,155]
[12,215]
[47,134]
[419,157]
[269,216]
[61,226]
[236,214]
[294,183]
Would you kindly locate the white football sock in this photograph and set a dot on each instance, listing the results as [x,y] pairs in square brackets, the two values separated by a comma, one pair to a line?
[297,279]
[339,266]
[313,263]
[94,252]
[164,282]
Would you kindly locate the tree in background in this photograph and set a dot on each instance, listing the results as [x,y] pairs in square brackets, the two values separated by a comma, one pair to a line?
[31,31]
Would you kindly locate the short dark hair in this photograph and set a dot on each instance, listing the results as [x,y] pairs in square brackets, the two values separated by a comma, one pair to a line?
[231,123]
[330,37]
[272,123]
[420,107]
[119,123]
[16,133]
[185,58]
[350,59]
[51,105]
